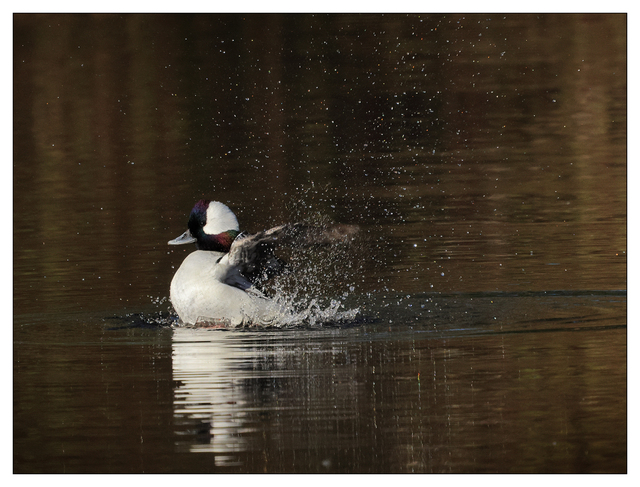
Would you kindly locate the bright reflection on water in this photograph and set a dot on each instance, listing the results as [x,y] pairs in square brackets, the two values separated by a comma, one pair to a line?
[210,391]
[462,397]
[483,158]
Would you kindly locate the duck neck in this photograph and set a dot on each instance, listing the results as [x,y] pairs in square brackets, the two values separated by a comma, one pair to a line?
[220,242]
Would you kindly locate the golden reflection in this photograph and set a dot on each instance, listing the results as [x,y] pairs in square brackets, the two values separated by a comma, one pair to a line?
[486,151]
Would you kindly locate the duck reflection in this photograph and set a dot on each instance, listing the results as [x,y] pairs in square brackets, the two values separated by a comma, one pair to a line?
[209,401]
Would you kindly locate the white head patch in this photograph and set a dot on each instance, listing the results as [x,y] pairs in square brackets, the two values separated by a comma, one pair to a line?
[220,219]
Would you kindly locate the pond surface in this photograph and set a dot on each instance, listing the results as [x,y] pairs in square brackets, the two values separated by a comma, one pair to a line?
[483,158]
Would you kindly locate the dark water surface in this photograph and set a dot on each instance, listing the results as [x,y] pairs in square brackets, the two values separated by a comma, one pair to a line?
[484,158]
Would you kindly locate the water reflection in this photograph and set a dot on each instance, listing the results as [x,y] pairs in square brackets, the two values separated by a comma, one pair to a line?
[210,397]
[471,384]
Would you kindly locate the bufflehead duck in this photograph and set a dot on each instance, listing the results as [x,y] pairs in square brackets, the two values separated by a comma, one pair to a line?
[219,282]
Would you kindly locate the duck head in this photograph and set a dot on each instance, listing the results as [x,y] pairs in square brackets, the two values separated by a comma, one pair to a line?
[212,226]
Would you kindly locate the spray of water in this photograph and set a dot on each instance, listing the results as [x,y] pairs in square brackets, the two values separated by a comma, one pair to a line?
[317,283]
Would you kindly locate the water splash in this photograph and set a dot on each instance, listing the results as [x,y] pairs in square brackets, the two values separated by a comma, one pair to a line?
[317,283]
[312,313]
[150,319]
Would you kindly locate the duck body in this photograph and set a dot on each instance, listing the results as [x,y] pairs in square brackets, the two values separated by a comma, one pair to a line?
[219,282]
[206,290]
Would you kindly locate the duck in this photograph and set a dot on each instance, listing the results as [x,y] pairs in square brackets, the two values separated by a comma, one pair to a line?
[220,283]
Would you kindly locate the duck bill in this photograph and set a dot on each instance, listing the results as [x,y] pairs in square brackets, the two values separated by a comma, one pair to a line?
[185,238]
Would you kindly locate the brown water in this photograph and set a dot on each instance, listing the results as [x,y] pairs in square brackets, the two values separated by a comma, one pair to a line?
[484,158]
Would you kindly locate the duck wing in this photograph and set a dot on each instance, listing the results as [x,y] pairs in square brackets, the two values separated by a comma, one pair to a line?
[253,256]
